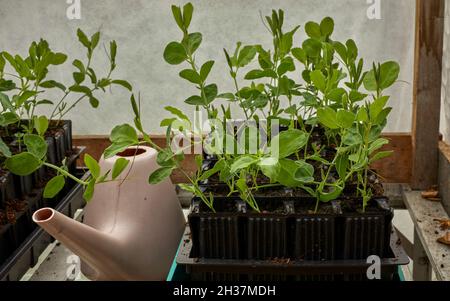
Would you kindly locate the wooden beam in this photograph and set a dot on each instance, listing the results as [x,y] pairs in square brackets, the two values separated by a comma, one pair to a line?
[395,169]
[427,92]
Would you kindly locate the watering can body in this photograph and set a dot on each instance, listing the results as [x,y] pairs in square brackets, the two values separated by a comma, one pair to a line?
[131,229]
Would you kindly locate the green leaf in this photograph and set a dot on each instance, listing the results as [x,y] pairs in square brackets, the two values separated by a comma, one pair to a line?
[6,103]
[80,89]
[8,118]
[318,80]
[299,54]
[36,145]
[23,164]
[312,47]
[288,142]
[381,155]
[92,165]
[188,9]
[191,76]
[58,58]
[176,12]
[123,83]
[327,26]
[83,38]
[160,175]
[304,172]
[113,50]
[41,124]
[330,196]
[167,122]
[4,149]
[216,168]
[377,107]
[377,144]
[287,64]
[257,74]
[269,167]
[122,137]
[175,53]
[287,173]
[94,40]
[6,85]
[327,116]
[242,163]
[389,72]
[177,113]
[195,100]
[188,188]
[205,69]
[78,77]
[362,115]
[54,186]
[342,164]
[52,84]
[89,191]
[192,42]
[94,101]
[210,93]
[312,29]
[246,55]
[119,167]
[345,119]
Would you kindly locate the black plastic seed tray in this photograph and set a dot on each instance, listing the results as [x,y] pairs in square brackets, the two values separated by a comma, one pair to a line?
[286,270]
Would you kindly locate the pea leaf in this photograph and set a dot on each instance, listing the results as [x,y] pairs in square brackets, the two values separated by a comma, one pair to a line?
[123,83]
[41,124]
[188,9]
[243,162]
[83,38]
[4,149]
[175,53]
[205,69]
[92,165]
[36,145]
[54,186]
[119,167]
[160,175]
[288,142]
[246,55]
[327,116]
[22,164]
[122,137]
[89,191]
[191,76]
[176,112]
[345,119]
[318,80]
[327,26]
[380,155]
[312,29]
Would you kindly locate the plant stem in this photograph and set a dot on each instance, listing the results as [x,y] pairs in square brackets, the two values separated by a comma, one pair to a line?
[65,173]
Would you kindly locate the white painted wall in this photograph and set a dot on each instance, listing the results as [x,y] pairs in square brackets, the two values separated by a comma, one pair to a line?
[142,28]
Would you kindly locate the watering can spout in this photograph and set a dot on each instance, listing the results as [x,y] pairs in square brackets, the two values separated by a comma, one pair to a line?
[93,246]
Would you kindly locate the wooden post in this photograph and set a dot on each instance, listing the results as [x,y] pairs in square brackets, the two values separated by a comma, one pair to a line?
[427,92]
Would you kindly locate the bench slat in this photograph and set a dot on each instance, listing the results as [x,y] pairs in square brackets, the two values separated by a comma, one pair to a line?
[423,213]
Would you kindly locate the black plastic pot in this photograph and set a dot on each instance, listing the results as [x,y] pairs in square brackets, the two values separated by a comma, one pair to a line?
[286,270]
[288,229]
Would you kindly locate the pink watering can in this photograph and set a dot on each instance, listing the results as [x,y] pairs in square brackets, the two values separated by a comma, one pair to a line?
[131,229]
